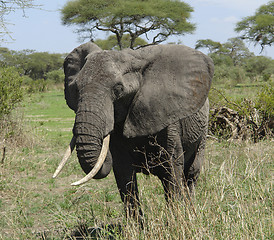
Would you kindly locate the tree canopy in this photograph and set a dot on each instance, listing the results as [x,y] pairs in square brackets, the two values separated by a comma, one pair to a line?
[211,45]
[234,50]
[234,63]
[111,42]
[156,19]
[36,65]
[259,28]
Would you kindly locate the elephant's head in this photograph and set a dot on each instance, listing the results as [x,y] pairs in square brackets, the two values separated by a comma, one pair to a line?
[132,92]
[73,63]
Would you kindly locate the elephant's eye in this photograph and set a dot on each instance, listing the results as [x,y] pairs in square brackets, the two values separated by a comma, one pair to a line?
[118,90]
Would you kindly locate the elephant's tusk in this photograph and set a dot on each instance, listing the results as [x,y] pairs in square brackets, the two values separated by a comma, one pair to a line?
[66,157]
[98,165]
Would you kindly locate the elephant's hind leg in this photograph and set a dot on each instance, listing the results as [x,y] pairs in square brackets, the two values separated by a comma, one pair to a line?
[194,170]
[171,173]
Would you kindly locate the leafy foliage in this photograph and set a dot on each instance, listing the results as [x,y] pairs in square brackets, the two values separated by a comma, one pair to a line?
[36,65]
[211,45]
[111,42]
[10,89]
[157,18]
[234,63]
[265,103]
[57,76]
[259,28]
[233,51]
[259,66]
[237,50]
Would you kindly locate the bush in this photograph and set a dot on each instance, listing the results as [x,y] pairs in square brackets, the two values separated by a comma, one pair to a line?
[39,85]
[229,75]
[265,102]
[259,66]
[265,106]
[10,89]
[56,76]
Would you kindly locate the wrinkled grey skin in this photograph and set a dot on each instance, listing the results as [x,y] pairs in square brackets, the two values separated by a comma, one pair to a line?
[152,101]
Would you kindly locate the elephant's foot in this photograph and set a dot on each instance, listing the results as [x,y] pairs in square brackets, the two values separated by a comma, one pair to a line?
[135,213]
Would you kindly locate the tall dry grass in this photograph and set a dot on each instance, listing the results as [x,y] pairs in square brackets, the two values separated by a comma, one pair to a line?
[233,199]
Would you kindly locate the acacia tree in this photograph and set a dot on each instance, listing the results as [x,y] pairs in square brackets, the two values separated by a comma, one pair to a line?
[211,45]
[111,42]
[157,18]
[233,51]
[8,6]
[237,50]
[259,28]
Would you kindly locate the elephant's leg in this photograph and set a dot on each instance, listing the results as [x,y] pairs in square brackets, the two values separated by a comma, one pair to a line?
[172,170]
[126,180]
[172,191]
[194,170]
[127,185]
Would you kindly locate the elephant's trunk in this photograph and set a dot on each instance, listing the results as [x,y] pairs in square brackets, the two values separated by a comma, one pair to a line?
[98,165]
[89,132]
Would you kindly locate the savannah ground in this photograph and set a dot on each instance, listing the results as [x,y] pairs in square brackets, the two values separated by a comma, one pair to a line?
[233,199]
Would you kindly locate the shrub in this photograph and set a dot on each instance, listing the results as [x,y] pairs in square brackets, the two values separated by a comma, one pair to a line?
[265,102]
[39,85]
[10,89]
[259,66]
[265,106]
[229,75]
[56,76]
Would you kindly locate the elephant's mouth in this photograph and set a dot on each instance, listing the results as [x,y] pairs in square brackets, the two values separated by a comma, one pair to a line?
[96,168]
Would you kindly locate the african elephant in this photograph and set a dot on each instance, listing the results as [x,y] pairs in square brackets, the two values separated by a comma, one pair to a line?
[142,110]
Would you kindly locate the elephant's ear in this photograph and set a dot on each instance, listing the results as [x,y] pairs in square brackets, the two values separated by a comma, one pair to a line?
[72,65]
[175,85]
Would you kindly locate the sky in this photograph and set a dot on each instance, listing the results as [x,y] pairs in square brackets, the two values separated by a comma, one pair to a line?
[42,30]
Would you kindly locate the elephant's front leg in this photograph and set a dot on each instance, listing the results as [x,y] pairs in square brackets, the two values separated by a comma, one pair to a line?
[127,186]
[126,180]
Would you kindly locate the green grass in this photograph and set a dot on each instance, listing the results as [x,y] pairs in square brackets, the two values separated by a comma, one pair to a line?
[233,199]
[49,114]
[239,92]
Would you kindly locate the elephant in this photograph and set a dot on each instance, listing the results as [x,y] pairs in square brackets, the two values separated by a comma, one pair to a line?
[143,110]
